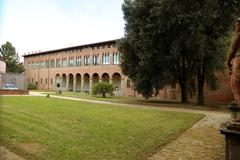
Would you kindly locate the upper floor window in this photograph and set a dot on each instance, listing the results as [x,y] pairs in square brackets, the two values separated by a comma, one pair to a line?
[58,63]
[46,64]
[78,61]
[116,58]
[64,62]
[52,63]
[86,60]
[71,62]
[33,65]
[37,64]
[96,60]
[42,64]
[105,58]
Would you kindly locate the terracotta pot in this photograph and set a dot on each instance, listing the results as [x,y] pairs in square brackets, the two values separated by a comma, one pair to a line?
[235,80]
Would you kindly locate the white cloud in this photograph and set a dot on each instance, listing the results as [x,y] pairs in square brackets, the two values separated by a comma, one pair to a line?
[33,25]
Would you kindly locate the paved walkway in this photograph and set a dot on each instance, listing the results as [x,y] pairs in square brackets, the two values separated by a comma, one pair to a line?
[201,142]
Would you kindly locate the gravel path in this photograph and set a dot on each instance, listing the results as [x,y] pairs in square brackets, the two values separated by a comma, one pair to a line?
[201,142]
[5,154]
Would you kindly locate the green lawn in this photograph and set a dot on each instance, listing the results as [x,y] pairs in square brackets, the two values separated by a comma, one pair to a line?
[140,100]
[55,129]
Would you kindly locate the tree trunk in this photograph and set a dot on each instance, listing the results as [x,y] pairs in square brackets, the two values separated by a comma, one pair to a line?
[200,79]
[183,80]
[183,91]
[103,95]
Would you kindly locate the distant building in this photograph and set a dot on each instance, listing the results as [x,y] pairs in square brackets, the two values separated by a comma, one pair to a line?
[78,68]
[2,70]
[2,66]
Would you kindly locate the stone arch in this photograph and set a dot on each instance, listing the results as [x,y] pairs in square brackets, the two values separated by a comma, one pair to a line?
[95,78]
[116,82]
[86,83]
[57,81]
[64,80]
[70,82]
[78,82]
[105,77]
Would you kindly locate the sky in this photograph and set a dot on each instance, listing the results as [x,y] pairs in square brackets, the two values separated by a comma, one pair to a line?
[41,25]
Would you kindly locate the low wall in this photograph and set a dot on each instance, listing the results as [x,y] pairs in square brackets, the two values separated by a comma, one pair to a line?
[13,92]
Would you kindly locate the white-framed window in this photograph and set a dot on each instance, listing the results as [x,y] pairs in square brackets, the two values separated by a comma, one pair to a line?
[64,62]
[86,60]
[37,64]
[42,64]
[46,64]
[33,65]
[95,59]
[52,63]
[105,58]
[58,63]
[78,61]
[116,58]
[71,62]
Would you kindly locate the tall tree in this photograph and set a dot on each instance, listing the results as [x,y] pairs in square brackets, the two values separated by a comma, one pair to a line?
[11,57]
[174,41]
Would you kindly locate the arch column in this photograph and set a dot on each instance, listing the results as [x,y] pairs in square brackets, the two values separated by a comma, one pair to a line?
[74,83]
[122,86]
[90,86]
[110,81]
[82,81]
[67,83]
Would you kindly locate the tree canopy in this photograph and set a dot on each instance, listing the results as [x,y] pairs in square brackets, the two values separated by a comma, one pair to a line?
[175,41]
[11,57]
[102,88]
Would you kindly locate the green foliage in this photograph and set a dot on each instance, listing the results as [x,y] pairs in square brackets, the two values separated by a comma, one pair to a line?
[57,129]
[102,88]
[31,86]
[10,56]
[169,41]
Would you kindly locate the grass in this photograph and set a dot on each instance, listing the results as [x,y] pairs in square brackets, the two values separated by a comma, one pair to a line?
[48,128]
[142,101]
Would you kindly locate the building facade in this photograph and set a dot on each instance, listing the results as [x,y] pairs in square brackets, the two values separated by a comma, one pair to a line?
[2,70]
[78,68]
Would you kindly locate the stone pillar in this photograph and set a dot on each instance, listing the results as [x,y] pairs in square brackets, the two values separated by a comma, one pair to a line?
[110,81]
[122,87]
[100,80]
[231,130]
[67,84]
[74,83]
[90,85]
[82,83]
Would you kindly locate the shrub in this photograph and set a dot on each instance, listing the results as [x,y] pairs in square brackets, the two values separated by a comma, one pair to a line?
[31,86]
[102,88]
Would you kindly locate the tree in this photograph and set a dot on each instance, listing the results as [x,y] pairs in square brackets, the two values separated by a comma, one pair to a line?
[9,54]
[102,88]
[169,41]
[141,61]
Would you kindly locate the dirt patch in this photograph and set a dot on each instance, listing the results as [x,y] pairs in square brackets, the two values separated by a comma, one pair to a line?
[5,154]
[32,147]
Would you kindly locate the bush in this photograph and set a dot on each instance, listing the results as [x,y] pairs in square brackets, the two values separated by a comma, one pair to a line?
[31,86]
[102,88]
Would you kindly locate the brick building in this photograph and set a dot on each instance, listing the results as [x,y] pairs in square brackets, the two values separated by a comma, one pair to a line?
[78,68]
[2,70]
